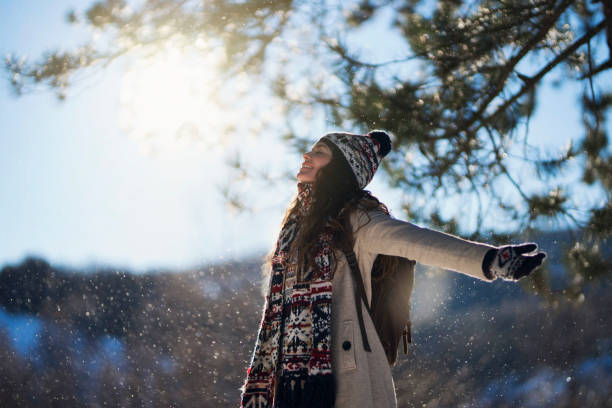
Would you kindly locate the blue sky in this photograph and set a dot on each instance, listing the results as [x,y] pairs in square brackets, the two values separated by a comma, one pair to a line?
[76,190]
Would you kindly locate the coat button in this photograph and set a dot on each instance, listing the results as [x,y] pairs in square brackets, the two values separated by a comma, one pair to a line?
[346,345]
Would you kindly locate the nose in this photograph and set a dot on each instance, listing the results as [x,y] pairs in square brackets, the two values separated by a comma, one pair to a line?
[306,156]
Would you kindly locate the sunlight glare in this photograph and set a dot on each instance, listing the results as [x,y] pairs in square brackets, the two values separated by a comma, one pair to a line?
[168,103]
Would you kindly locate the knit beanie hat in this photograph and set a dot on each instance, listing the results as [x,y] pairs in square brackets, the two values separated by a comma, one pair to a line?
[363,153]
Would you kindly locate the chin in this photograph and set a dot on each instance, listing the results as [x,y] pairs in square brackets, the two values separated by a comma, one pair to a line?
[303,179]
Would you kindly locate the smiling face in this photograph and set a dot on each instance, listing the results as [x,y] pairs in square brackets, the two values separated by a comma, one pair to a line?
[318,157]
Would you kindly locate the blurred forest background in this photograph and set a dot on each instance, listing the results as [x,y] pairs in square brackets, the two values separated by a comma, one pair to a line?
[184,339]
[461,85]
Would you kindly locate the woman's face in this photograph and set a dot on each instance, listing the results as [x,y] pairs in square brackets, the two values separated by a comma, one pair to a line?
[318,157]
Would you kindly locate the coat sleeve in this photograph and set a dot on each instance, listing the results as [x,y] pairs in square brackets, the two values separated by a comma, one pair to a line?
[376,232]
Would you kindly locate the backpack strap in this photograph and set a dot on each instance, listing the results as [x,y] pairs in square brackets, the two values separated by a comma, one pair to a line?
[407,336]
[359,294]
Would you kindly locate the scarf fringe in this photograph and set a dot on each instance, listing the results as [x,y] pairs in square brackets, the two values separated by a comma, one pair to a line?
[318,391]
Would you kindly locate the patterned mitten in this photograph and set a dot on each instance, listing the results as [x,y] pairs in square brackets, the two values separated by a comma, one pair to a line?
[512,262]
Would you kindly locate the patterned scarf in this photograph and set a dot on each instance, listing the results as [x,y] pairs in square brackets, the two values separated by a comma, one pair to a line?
[291,364]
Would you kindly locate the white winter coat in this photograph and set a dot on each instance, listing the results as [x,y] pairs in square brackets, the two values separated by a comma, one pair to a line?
[363,379]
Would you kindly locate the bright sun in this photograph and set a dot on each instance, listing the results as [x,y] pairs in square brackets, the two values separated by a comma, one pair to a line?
[168,102]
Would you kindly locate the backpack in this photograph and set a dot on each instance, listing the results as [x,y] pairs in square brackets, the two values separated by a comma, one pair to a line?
[392,284]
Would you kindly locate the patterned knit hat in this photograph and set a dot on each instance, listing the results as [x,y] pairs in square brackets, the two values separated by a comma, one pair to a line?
[363,153]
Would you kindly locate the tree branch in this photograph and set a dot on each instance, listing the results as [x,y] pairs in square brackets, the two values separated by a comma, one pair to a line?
[530,82]
[509,67]
[341,51]
[598,69]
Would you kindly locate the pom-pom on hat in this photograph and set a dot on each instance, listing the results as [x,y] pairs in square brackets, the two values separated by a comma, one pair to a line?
[363,153]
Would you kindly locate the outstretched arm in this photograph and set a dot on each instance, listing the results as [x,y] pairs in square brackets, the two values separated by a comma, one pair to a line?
[385,235]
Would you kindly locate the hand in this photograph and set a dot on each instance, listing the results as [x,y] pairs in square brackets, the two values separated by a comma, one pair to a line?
[512,262]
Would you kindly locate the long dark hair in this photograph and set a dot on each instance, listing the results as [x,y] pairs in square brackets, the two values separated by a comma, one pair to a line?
[336,196]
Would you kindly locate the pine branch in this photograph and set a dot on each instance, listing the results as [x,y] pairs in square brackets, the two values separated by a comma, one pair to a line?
[598,69]
[509,68]
[529,83]
[341,51]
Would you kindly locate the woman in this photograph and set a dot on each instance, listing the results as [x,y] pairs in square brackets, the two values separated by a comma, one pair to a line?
[309,349]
